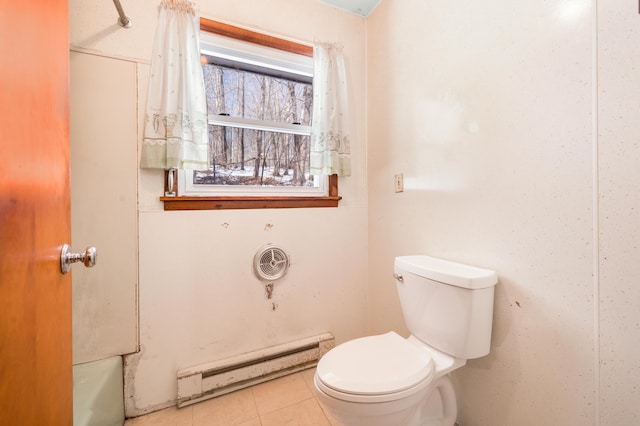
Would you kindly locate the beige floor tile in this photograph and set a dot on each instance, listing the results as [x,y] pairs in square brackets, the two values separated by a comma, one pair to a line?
[305,413]
[252,422]
[280,393]
[331,419]
[307,376]
[226,410]
[168,417]
[289,400]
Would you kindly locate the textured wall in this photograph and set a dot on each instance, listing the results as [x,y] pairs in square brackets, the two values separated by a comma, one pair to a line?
[619,207]
[515,126]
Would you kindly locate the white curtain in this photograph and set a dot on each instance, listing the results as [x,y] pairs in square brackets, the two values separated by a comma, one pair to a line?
[330,145]
[175,132]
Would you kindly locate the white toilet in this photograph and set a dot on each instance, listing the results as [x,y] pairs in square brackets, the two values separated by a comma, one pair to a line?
[387,380]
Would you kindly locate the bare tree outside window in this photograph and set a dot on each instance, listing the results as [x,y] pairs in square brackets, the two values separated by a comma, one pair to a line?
[246,156]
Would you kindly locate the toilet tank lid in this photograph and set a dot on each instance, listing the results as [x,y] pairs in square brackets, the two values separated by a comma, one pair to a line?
[447,272]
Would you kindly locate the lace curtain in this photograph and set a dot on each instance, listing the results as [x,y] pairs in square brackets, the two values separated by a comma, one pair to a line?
[330,145]
[175,131]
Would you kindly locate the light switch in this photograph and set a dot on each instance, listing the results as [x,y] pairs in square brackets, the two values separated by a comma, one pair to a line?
[399,182]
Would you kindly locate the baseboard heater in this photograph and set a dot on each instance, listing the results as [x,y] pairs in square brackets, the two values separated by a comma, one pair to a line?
[217,378]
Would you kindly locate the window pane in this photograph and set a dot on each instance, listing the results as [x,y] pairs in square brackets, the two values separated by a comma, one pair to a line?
[247,94]
[242,156]
[256,157]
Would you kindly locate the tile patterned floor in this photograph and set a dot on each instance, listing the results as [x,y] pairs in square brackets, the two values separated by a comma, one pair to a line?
[287,401]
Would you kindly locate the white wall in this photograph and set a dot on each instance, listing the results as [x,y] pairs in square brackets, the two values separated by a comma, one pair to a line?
[487,108]
[618,92]
[198,298]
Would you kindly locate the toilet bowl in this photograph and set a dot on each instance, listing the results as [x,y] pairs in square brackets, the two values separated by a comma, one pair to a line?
[387,380]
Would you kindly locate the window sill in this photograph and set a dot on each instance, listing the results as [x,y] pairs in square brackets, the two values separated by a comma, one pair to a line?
[238,202]
[223,203]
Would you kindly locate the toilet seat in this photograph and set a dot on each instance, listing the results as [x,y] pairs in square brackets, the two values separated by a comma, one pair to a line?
[378,368]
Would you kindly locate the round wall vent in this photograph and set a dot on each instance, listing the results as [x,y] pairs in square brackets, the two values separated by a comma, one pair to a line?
[270,263]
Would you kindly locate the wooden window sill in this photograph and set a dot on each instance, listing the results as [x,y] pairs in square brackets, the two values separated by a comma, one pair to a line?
[238,202]
[222,203]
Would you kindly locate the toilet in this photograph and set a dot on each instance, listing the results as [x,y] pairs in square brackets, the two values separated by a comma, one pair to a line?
[387,380]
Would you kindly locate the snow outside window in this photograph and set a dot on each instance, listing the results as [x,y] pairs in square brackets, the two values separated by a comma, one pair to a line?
[259,103]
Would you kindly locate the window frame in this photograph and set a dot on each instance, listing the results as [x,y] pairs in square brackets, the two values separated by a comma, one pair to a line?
[220,202]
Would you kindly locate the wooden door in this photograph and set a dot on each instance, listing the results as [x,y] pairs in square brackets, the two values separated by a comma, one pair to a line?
[35,316]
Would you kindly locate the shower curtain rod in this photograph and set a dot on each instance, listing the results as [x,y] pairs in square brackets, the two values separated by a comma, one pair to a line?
[122,20]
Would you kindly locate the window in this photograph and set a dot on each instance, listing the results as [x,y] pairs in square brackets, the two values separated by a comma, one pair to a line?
[259,100]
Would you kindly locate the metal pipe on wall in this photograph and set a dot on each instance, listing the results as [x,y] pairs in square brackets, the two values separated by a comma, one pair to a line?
[123,20]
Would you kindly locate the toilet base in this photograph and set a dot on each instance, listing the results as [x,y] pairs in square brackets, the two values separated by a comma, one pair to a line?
[434,406]
[441,407]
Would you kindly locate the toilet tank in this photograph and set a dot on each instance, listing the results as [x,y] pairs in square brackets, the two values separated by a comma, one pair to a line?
[447,305]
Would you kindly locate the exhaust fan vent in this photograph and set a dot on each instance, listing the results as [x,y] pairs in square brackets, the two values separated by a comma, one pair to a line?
[270,263]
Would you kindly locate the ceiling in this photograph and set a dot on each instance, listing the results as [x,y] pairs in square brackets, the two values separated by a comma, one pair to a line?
[359,7]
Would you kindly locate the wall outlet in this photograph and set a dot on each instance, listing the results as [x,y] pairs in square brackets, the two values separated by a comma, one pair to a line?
[399,182]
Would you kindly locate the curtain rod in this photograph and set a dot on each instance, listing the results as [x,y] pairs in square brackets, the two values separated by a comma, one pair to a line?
[122,20]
